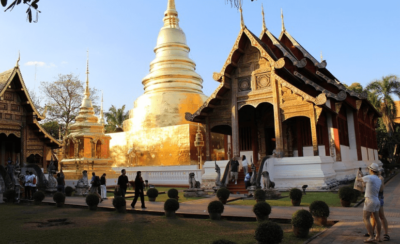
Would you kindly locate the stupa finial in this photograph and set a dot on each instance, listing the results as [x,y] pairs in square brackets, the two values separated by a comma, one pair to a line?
[283,22]
[171,16]
[101,119]
[19,58]
[264,27]
[322,57]
[241,16]
[87,92]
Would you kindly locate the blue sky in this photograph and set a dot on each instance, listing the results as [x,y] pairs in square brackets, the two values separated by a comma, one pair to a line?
[359,39]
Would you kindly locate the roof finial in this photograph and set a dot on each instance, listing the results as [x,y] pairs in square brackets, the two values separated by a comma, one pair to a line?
[87,92]
[19,58]
[101,119]
[264,27]
[171,16]
[241,15]
[322,57]
[283,22]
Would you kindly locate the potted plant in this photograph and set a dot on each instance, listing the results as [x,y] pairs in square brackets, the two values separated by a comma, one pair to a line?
[346,194]
[92,200]
[10,195]
[259,195]
[215,209]
[223,195]
[170,207]
[38,197]
[68,191]
[269,233]
[173,193]
[223,241]
[262,210]
[320,211]
[119,204]
[152,193]
[59,199]
[357,194]
[302,221]
[296,195]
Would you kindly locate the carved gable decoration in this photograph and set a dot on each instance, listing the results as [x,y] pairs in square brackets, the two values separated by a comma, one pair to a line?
[244,83]
[263,81]
[9,96]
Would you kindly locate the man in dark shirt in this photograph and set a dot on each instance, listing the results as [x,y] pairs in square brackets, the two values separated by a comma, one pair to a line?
[60,181]
[103,186]
[234,170]
[123,183]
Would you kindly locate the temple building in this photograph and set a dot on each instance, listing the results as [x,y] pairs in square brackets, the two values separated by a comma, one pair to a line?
[87,147]
[156,133]
[274,95]
[22,138]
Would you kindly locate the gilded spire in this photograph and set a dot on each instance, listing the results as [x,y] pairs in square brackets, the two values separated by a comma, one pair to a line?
[264,27]
[171,16]
[87,92]
[322,57]
[101,119]
[19,58]
[241,16]
[283,22]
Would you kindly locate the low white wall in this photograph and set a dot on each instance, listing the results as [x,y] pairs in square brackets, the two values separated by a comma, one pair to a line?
[321,151]
[308,151]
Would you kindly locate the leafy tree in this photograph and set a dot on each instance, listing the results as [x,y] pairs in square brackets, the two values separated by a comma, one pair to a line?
[115,118]
[356,87]
[31,4]
[64,97]
[383,91]
[52,127]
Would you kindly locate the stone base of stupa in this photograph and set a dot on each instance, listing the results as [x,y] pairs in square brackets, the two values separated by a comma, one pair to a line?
[73,168]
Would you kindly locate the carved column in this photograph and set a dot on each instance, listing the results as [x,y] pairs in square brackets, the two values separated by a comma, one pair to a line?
[358,136]
[235,120]
[276,93]
[254,142]
[314,131]
[299,138]
[261,139]
[208,139]
[76,148]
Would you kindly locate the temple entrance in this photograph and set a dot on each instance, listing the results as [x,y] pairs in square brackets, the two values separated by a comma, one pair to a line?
[297,137]
[10,147]
[221,143]
[34,159]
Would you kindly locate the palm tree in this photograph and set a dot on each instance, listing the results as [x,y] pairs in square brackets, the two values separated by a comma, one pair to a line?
[383,91]
[115,118]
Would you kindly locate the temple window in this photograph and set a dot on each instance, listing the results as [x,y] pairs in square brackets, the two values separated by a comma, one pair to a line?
[343,128]
[245,138]
[71,149]
[98,149]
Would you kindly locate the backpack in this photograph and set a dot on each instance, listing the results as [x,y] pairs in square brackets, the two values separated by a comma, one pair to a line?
[34,181]
[96,182]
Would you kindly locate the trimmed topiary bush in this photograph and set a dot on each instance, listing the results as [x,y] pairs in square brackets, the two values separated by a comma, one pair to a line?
[92,200]
[262,210]
[302,221]
[173,193]
[259,195]
[59,199]
[10,195]
[170,206]
[215,209]
[295,194]
[152,193]
[346,193]
[223,241]
[68,191]
[223,195]
[119,204]
[357,194]
[319,209]
[38,197]
[269,232]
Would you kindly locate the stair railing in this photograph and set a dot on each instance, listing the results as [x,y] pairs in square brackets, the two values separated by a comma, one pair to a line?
[225,176]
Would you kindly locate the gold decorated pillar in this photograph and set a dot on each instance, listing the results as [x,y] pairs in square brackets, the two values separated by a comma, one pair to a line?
[314,131]
[208,139]
[235,121]
[276,91]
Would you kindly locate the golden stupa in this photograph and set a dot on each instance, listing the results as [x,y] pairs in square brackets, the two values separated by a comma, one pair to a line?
[156,133]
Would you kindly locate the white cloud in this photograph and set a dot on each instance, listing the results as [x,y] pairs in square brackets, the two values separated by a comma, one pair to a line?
[64,62]
[40,64]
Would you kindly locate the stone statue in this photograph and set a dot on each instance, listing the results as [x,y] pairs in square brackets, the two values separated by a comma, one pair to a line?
[192,182]
[82,186]
[267,183]
[51,185]
[218,179]
[253,180]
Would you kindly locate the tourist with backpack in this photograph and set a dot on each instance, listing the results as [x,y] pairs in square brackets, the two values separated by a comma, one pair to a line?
[33,183]
[60,181]
[27,185]
[94,189]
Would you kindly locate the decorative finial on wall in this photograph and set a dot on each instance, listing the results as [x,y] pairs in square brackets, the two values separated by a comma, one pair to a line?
[241,16]
[19,58]
[283,22]
[264,27]
[322,57]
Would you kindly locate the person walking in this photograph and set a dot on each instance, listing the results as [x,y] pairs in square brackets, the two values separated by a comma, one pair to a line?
[245,165]
[27,185]
[60,181]
[122,183]
[372,203]
[382,216]
[139,183]
[247,180]
[234,170]
[33,182]
[103,186]
[94,188]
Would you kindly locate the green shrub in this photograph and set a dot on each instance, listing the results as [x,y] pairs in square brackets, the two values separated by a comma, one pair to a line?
[152,193]
[68,191]
[171,205]
[173,193]
[10,195]
[357,194]
[117,192]
[295,194]
[262,209]
[215,207]
[346,193]
[59,197]
[223,241]
[92,200]
[303,219]
[119,202]
[39,196]
[223,194]
[260,195]
[269,232]
[319,209]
